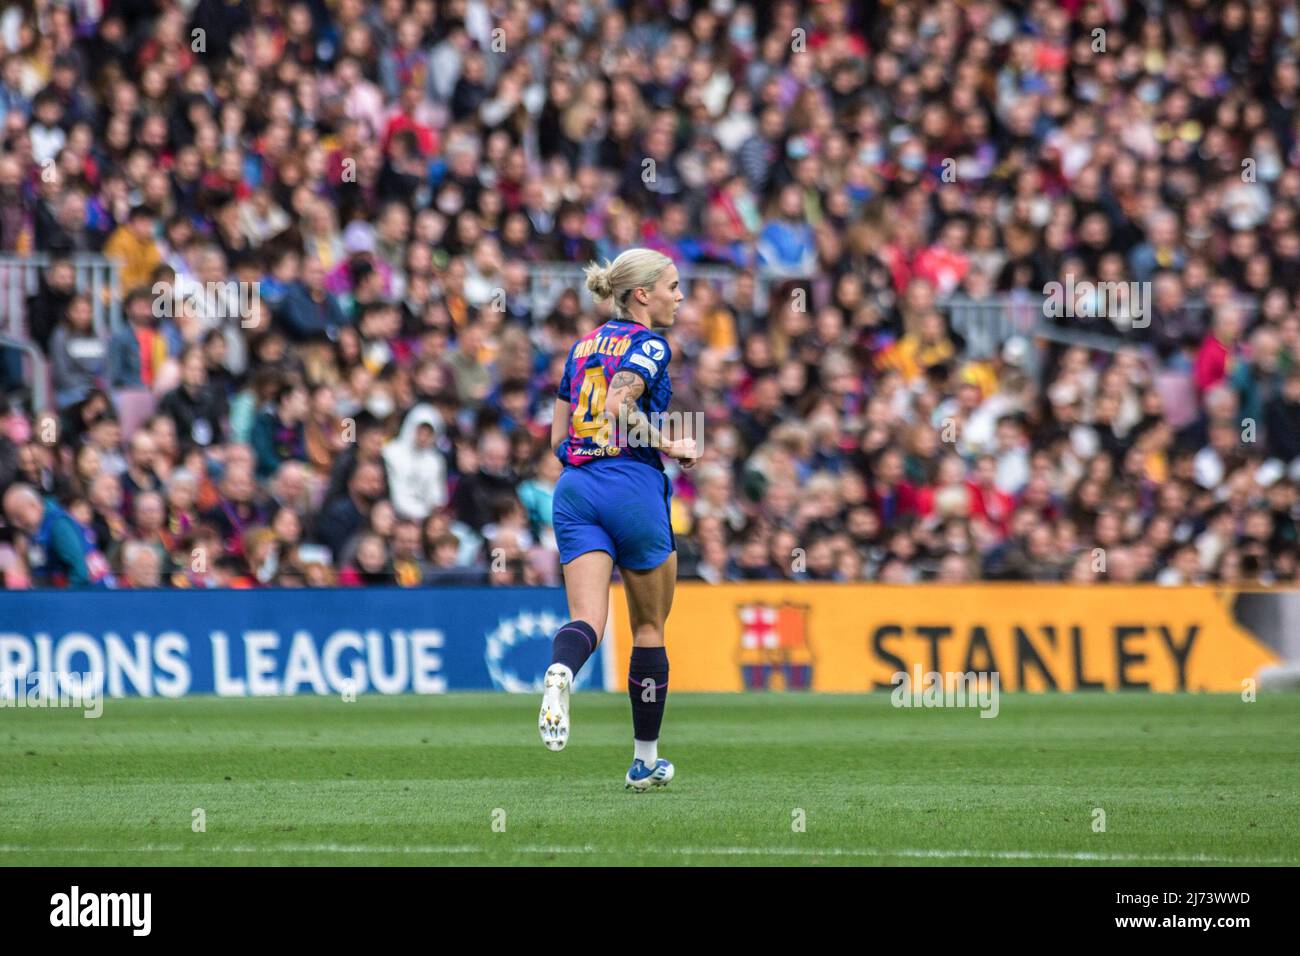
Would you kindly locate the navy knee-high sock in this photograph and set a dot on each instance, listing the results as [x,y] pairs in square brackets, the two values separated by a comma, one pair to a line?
[573,644]
[647,686]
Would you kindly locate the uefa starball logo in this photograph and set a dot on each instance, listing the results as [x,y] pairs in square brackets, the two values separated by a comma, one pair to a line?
[519,651]
[655,349]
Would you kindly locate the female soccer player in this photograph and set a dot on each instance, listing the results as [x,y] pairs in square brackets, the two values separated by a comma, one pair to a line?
[611,502]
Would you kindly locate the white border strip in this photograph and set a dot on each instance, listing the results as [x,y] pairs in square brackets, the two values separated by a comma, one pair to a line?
[853,852]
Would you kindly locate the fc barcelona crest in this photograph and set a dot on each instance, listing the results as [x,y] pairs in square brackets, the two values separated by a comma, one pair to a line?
[775,652]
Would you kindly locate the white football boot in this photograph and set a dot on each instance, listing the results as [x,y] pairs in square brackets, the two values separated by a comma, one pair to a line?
[553,722]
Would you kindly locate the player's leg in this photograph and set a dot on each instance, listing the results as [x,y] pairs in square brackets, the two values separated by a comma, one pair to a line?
[649,599]
[587,555]
[586,584]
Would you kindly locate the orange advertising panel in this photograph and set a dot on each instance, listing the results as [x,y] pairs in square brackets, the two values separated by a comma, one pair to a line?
[842,637]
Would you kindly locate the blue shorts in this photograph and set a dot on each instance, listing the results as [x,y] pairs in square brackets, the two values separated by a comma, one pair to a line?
[619,507]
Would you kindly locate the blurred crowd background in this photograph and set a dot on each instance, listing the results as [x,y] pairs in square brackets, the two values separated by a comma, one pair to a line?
[389,177]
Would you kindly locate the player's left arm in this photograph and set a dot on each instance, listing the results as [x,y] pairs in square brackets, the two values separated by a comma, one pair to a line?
[625,388]
[676,432]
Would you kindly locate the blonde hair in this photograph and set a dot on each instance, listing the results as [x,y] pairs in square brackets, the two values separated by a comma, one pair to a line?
[633,269]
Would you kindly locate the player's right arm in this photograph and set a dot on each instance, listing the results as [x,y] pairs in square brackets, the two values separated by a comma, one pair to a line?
[563,407]
[560,423]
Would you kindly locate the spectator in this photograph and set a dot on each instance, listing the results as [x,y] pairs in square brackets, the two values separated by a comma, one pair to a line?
[1218,349]
[308,311]
[416,471]
[197,409]
[140,476]
[237,509]
[1282,420]
[46,309]
[278,433]
[68,560]
[476,492]
[133,245]
[139,351]
[78,356]
[786,241]
[346,514]
[141,566]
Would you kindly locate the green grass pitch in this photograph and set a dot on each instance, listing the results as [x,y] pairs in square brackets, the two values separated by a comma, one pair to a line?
[463,779]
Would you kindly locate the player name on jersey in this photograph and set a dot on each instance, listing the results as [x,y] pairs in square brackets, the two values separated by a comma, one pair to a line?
[602,345]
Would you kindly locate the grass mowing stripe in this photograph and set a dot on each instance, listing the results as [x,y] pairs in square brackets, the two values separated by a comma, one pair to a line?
[1180,778]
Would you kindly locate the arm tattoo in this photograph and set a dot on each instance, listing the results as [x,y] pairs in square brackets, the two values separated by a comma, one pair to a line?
[629,380]
[631,412]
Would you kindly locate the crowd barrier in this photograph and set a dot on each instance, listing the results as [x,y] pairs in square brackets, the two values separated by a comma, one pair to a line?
[262,643]
[730,637]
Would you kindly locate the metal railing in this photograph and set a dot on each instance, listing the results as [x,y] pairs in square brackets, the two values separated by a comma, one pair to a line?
[984,324]
[96,276]
[39,369]
[547,281]
[988,323]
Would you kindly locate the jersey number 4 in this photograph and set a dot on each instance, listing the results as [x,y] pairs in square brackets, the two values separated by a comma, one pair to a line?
[589,419]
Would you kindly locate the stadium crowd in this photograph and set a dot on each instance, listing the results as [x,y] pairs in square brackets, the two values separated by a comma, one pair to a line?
[383,176]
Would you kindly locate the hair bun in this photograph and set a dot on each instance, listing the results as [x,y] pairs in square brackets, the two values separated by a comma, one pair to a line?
[598,282]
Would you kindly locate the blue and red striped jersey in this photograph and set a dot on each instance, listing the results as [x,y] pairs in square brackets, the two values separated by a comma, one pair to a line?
[619,345]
